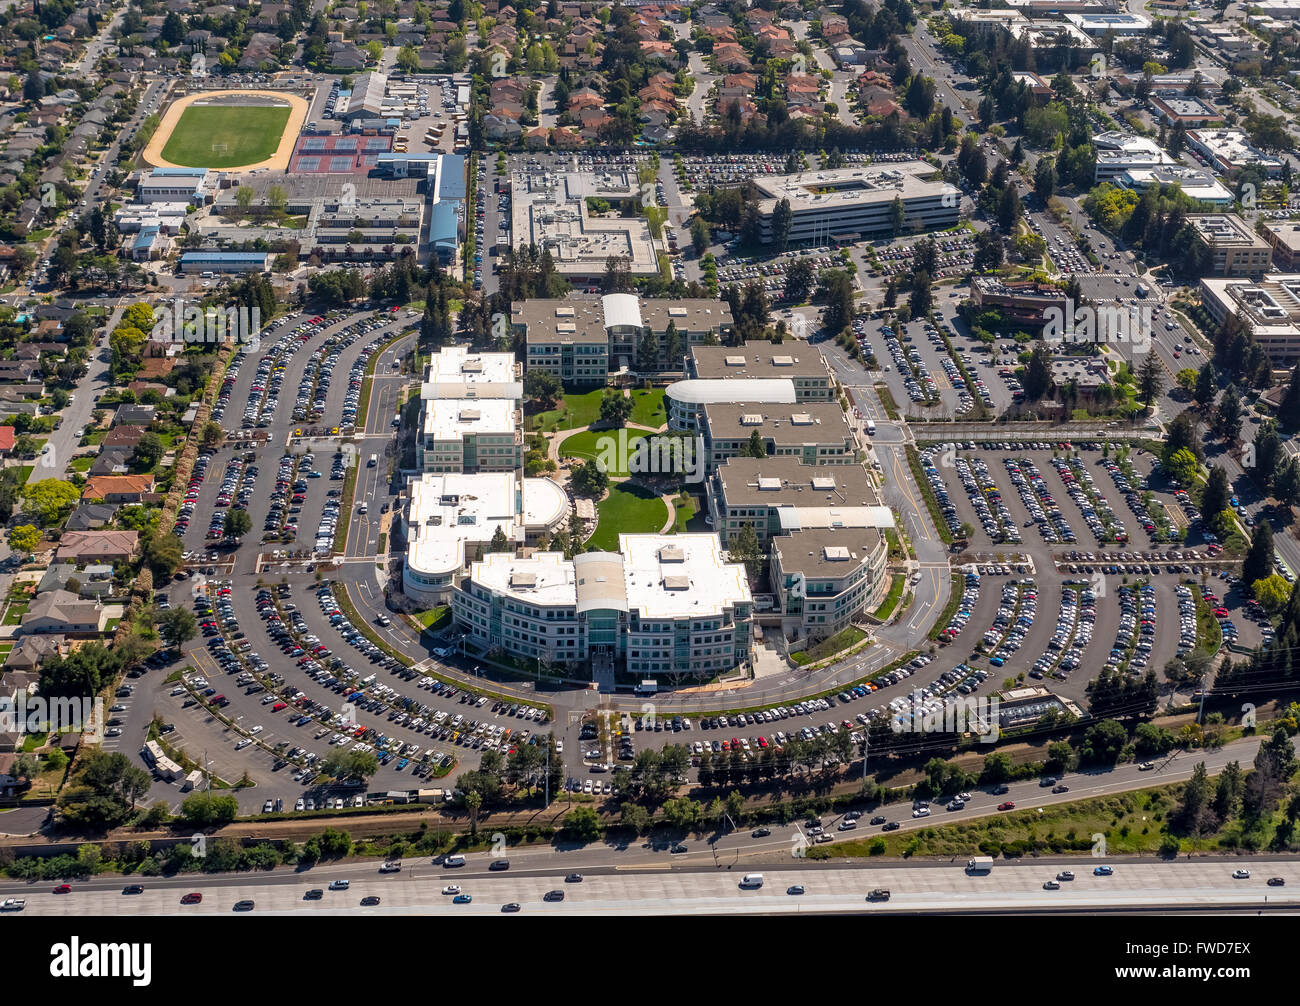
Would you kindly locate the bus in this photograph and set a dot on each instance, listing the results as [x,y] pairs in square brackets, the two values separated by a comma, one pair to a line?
[1143,289]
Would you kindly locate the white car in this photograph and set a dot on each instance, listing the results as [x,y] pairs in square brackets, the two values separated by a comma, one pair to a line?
[1240,874]
[921,812]
[451,889]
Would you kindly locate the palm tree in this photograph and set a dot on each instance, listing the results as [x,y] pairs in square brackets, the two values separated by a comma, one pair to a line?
[473,801]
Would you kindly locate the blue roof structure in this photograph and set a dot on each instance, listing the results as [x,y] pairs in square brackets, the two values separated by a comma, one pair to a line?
[223,256]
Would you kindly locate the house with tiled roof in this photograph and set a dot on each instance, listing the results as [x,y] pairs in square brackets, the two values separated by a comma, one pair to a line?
[118,488]
[98,546]
[63,612]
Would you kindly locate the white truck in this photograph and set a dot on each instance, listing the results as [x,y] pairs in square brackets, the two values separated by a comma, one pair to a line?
[980,864]
[12,905]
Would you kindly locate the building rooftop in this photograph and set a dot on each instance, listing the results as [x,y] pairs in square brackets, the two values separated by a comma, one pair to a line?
[698,391]
[776,482]
[454,419]
[451,514]
[826,553]
[757,359]
[1225,230]
[784,425]
[456,372]
[545,578]
[680,575]
[851,186]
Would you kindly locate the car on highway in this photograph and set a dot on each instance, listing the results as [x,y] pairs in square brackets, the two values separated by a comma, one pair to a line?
[462,899]
[63,889]
[1051,885]
[1007,805]
[369,901]
[1240,874]
[1065,875]
[919,812]
[193,898]
[1146,766]
[573,878]
[678,848]
[247,905]
[133,889]
[556,895]
[795,889]
[1103,871]
[340,885]
[1276,881]
[498,865]
[760,833]
[511,906]
[315,894]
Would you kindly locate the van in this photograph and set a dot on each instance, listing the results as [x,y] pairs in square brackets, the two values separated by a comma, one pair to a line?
[374,460]
[751,881]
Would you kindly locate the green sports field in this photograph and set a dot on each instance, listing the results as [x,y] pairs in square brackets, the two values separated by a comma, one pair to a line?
[226,136]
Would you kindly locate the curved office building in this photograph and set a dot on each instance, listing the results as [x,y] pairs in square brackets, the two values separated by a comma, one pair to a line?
[687,399]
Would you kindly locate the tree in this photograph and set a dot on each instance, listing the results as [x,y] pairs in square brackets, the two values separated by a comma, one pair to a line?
[799,280]
[103,792]
[615,409]
[1258,562]
[699,234]
[1272,592]
[921,297]
[148,452]
[237,523]
[543,387]
[1150,379]
[582,823]
[164,553]
[1045,179]
[1206,385]
[743,546]
[1214,500]
[1038,372]
[350,764]
[1183,466]
[1103,743]
[755,448]
[1194,814]
[500,542]
[25,538]
[177,627]
[47,499]
[782,216]
[589,479]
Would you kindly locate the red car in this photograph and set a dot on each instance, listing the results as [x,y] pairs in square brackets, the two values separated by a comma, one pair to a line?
[1007,806]
[278,706]
[1221,612]
[193,898]
[63,889]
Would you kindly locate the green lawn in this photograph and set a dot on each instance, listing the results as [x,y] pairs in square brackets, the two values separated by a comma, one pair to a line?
[82,464]
[573,413]
[648,407]
[627,510]
[890,602]
[226,136]
[14,613]
[605,446]
[687,506]
[435,619]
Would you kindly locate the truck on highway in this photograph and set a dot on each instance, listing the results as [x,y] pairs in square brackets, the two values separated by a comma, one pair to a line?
[980,864]
[12,905]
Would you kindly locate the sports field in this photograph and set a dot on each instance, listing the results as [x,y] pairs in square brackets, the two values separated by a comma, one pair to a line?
[226,136]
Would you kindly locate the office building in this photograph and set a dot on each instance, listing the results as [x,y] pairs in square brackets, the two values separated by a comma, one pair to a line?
[1235,249]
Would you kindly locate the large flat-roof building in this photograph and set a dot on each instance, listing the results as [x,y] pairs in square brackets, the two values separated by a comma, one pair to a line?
[664,605]
[824,578]
[1191,112]
[1235,249]
[585,340]
[845,203]
[1284,237]
[550,210]
[817,433]
[367,100]
[780,495]
[1230,150]
[470,413]
[1196,183]
[1118,153]
[451,519]
[797,362]
[1098,23]
[174,185]
[1270,307]
[1025,302]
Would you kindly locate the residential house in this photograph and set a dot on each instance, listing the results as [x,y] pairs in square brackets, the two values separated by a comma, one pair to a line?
[117,489]
[58,611]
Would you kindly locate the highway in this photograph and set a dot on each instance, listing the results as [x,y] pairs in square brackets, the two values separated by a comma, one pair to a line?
[829,888]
